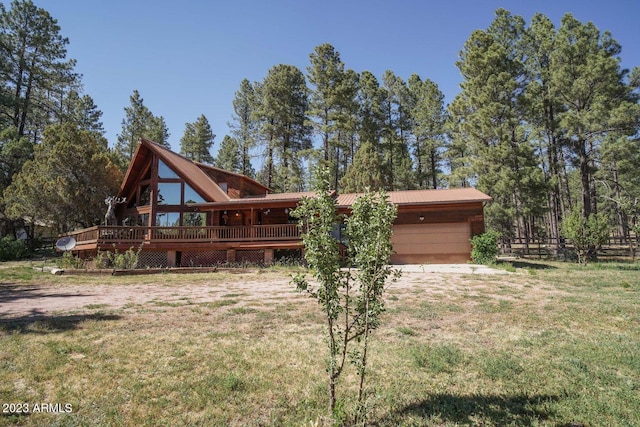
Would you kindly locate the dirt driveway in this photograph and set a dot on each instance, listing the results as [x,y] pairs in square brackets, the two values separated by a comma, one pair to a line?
[78,296]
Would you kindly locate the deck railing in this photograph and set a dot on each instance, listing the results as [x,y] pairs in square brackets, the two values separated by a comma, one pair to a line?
[122,234]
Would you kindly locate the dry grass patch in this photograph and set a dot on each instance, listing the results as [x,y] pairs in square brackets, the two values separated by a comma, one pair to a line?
[558,347]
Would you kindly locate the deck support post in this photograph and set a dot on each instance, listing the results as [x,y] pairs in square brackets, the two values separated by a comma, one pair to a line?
[231,255]
[268,256]
[171,259]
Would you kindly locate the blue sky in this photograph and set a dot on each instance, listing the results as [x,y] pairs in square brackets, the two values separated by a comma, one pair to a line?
[187,58]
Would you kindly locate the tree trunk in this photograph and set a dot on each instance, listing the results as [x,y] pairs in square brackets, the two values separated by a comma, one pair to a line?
[434,166]
[585,179]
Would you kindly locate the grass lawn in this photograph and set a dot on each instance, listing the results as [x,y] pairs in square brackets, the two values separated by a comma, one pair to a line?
[552,344]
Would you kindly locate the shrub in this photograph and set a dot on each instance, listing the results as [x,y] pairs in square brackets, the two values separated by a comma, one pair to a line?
[101,260]
[586,234]
[12,249]
[127,260]
[68,261]
[484,247]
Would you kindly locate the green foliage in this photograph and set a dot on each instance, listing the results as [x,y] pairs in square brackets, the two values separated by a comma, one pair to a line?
[366,171]
[229,155]
[70,261]
[66,182]
[428,119]
[351,300]
[82,112]
[586,234]
[12,249]
[484,247]
[138,123]
[127,260]
[332,107]
[35,75]
[14,152]
[284,129]
[197,141]
[244,126]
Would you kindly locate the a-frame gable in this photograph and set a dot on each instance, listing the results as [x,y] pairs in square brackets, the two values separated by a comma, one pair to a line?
[183,167]
[139,166]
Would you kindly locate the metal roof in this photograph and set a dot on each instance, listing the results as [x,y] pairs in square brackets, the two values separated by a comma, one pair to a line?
[423,197]
[282,196]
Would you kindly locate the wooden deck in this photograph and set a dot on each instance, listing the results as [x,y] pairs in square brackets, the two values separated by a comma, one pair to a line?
[106,237]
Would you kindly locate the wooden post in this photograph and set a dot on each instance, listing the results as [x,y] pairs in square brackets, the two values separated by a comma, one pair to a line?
[268,256]
[171,259]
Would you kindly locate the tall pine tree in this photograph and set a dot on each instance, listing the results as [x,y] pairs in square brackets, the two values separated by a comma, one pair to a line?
[139,122]
[245,124]
[284,131]
[197,141]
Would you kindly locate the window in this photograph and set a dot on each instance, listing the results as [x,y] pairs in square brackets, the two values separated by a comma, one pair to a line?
[190,195]
[145,195]
[143,220]
[165,171]
[194,219]
[224,186]
[168,219]
[169,193]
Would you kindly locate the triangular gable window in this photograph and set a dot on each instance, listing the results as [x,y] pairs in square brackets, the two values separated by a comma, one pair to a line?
[190,195]
[165,171]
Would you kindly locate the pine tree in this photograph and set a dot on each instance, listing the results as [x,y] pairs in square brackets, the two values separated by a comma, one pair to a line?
[197,141]
[427,127]
[284,130]
[587,79]
[365,172]
[83,112]
[34,71]
[489,112]
[229,155]
[245,123]
[543,109]
[332,107]
[397,164]
[139,122]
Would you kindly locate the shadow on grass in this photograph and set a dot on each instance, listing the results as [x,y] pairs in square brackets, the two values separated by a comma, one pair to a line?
[38,322]
[10,292]
[532,265]
[519,410]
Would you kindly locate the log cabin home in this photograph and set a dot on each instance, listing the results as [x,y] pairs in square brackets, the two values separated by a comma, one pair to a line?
[187,214]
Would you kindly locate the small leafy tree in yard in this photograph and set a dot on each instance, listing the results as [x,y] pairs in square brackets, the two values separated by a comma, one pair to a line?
[317,219]
[352,302]
[586,234]
[369,229]
[484,247]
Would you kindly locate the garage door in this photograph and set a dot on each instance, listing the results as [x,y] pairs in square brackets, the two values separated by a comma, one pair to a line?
[431,243]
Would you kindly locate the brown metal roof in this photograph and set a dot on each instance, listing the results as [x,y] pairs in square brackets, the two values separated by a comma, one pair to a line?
[282,199]
[282,196]
[424,197]
[239,175]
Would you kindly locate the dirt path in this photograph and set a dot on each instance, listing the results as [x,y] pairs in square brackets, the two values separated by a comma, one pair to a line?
[38,300]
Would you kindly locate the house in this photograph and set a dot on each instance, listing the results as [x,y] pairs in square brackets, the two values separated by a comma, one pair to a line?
[184,213]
